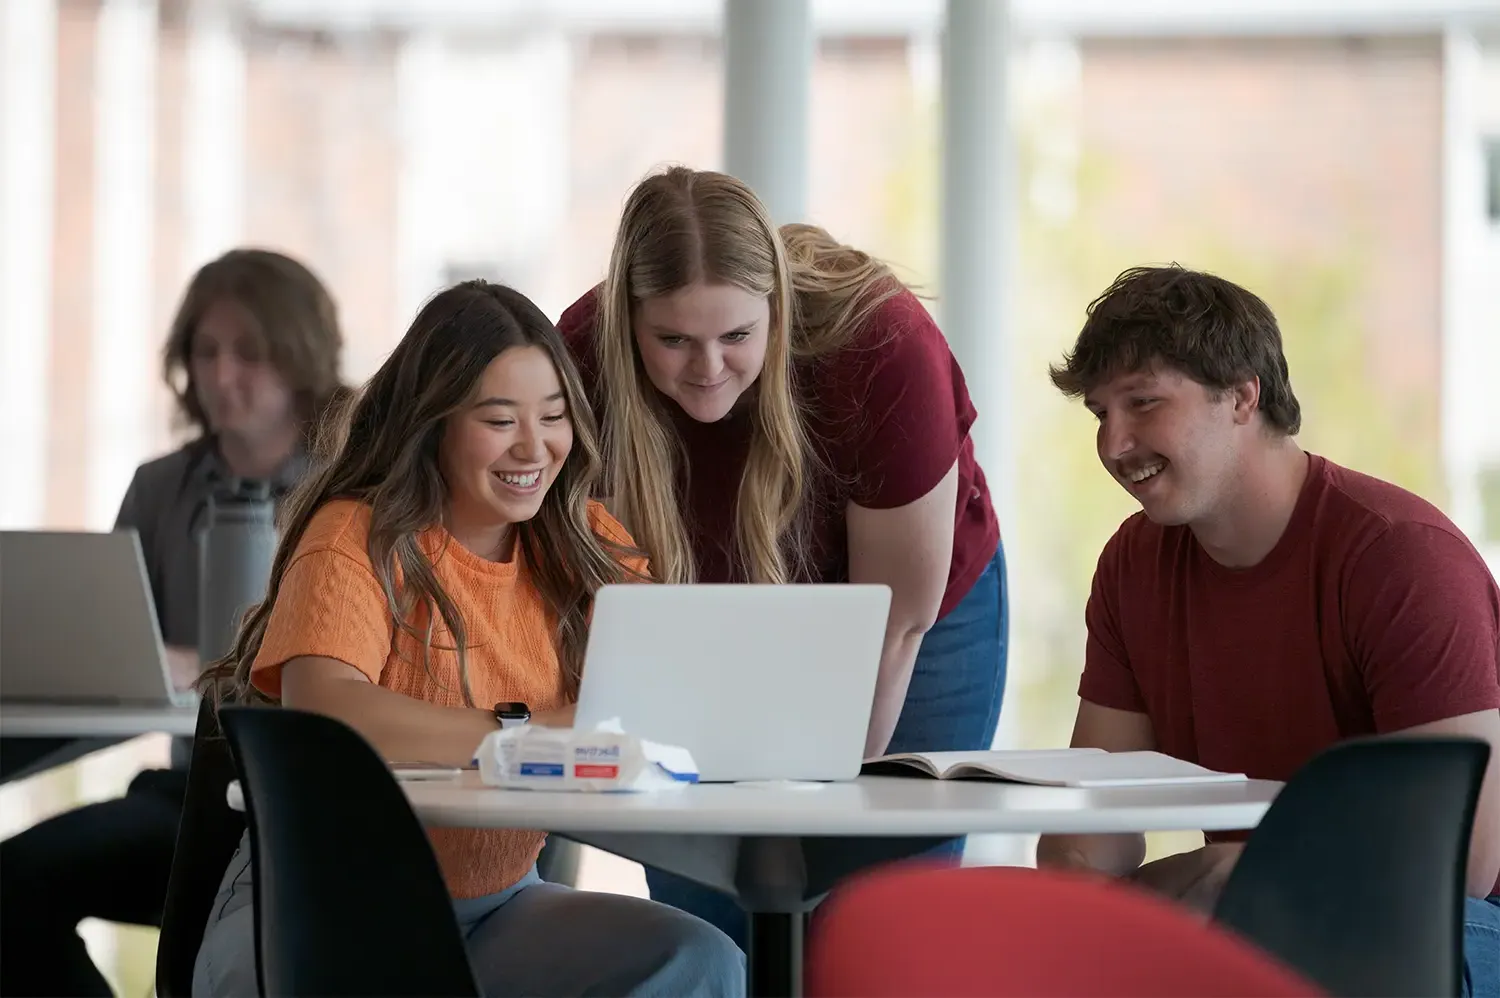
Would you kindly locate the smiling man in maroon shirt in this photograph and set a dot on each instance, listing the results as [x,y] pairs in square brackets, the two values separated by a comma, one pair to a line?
[1265,603]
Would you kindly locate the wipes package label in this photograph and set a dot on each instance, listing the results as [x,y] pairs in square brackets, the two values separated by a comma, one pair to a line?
[605,759]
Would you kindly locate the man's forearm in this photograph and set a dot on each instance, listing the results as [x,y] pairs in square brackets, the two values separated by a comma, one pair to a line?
[1193,878]
[1171,876]
[1116,855]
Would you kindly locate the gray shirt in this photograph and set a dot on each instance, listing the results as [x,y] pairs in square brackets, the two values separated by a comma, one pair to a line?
[165,504]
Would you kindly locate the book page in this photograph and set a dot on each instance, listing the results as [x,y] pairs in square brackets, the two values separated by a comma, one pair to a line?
[1061,767]
[1105,769]
[942,764]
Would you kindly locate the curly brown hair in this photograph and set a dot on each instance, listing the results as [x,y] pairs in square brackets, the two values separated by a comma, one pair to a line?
[1210,329]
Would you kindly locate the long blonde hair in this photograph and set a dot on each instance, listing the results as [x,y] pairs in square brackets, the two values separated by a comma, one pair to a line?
[384,452]
[681,227]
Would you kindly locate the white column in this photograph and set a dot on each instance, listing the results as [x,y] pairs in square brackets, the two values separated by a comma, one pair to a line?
[213,143]
[977,290]
[124,344]
[768,53]
[420,111]
[28,125]
[978,226]
[1471,345]
[464,196]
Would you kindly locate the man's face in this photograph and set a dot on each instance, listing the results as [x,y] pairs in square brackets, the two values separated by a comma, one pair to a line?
[1170,442]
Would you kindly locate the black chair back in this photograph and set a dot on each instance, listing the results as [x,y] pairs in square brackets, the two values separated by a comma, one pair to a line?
[348,894]
[207,835]
[1355,876]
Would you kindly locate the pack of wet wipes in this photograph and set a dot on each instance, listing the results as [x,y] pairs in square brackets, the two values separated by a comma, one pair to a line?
[605,759]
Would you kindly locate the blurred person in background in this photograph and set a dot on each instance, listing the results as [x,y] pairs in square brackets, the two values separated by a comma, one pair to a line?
[778,407]
[252,359]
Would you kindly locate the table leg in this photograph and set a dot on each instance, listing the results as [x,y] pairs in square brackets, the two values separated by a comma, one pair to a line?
[777,879]
[774,960]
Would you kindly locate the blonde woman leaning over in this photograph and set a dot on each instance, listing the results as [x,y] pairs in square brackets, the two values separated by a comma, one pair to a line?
[777,407]
[459,494]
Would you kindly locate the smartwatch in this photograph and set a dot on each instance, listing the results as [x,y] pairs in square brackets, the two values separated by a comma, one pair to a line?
[512,714]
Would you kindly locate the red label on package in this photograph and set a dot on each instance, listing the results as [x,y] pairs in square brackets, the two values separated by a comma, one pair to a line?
[596,772]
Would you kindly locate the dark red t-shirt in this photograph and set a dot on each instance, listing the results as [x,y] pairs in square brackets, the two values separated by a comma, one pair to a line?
[890,414]
[1373,613]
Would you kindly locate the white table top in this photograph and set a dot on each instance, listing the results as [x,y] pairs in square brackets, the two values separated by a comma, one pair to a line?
[36,720]
[870,805]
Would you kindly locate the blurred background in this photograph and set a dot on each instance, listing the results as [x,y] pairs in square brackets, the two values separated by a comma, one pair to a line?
[1341,158]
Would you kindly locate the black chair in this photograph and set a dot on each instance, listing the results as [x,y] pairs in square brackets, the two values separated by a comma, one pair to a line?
[1355,876]
[559,861]
[207,835]
[348,894]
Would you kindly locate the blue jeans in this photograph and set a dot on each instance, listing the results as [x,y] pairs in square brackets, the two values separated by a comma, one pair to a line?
[953,703]
[1482,947]
[537,938]
[533,938]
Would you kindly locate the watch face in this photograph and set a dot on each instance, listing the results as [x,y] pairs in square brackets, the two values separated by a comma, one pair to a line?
[512,711]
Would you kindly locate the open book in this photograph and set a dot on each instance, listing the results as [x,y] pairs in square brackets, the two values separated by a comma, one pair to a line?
[1052,768]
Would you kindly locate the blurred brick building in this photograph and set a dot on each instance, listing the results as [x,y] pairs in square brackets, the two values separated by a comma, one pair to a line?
[395,156]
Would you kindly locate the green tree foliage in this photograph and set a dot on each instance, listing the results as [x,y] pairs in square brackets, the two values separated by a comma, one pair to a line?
[1067,506]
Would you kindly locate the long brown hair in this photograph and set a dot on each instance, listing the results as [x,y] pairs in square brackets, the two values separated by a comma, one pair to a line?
[384,453]
[290,309]
[681,227]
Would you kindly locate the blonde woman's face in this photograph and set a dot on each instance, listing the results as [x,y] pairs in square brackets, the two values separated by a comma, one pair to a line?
[501,454]
[703,346]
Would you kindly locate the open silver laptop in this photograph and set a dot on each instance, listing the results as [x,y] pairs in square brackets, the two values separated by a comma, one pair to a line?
[759,682]
[78,624]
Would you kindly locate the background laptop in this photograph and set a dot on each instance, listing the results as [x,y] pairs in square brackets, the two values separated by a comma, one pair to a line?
[759,682]
[77,622]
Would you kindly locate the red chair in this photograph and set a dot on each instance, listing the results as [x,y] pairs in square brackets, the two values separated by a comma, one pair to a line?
[1001,931]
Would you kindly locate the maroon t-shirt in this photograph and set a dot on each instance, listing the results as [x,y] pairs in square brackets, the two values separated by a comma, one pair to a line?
[890,414]
[1373,613]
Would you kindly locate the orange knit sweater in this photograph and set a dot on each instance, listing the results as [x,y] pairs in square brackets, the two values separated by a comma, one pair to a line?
[331,605]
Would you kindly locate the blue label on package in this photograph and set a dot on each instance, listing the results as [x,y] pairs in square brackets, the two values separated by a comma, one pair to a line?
[541,769]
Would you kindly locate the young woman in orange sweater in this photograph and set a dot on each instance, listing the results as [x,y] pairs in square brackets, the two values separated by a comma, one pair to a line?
[444,560]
